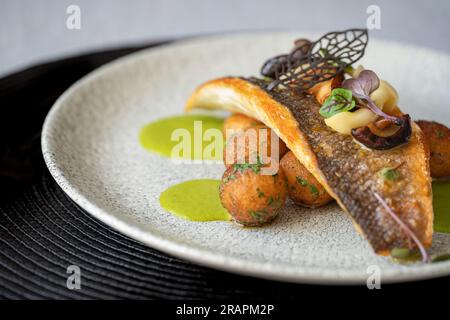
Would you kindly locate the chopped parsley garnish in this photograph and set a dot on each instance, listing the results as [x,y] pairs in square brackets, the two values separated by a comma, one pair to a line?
[302,181]
[314,190]
[389,174]
[255,167]
[259,215]
[311,187]
[230,177]
[274,203]
[260,193]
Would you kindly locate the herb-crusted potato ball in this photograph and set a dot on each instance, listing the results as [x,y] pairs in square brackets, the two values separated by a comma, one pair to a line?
[257,144]
[438,138]
[252,198]
[239,121]
[303,188]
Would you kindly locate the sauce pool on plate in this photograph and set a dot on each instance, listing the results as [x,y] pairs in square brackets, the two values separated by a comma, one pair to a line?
[441,206]
[195,200]
[198,200]
[191,136]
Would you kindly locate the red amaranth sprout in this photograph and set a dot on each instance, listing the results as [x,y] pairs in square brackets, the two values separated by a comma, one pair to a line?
[408,231]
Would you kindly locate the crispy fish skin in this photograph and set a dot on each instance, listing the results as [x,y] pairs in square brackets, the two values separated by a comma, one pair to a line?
[349,172]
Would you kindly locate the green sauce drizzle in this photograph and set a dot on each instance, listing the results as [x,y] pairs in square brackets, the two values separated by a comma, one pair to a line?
[198,200]
[441,204]
[158,137]
[195,200]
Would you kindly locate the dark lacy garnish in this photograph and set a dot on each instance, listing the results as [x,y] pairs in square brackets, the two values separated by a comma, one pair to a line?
[312,63]
[279,65]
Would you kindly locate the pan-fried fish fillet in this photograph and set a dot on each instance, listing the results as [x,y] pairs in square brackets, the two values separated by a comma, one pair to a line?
[349,172]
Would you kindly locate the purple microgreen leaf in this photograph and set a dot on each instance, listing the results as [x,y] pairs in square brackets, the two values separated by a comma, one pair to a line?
[362,86]
[369,81]
[369,104]
[354,86]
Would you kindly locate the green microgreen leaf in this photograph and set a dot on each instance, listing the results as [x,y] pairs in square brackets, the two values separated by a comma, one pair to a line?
[340,100]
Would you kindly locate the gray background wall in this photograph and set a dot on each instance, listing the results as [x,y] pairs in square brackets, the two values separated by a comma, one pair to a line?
[33,31]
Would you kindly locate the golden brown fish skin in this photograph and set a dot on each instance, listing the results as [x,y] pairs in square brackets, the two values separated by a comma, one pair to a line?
[353,173]
[348,172]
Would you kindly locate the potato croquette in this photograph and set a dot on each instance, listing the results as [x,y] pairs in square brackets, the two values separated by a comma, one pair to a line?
[438,137]
[252,199]
[253,144]
[303,188]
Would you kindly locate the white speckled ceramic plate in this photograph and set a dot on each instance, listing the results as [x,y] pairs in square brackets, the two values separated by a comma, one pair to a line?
[90,144]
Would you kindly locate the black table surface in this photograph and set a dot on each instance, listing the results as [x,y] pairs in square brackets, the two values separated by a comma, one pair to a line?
[42,231]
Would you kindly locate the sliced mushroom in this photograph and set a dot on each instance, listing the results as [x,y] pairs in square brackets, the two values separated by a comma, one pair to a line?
[383,128]
[372,141]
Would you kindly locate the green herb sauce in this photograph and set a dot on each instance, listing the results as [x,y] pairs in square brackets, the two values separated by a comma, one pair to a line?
[195,200]
[198,200]
[441,204]
[159,137]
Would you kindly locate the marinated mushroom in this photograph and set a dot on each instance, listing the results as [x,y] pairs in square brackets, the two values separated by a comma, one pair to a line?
[366,137]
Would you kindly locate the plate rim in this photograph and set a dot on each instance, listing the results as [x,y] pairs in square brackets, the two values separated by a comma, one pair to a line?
[203,256]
